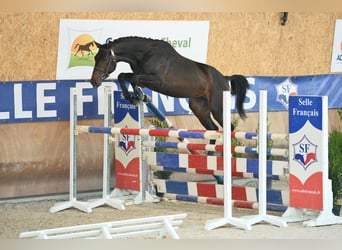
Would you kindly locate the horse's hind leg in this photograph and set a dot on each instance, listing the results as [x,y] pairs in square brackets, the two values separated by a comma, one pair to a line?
[200,108]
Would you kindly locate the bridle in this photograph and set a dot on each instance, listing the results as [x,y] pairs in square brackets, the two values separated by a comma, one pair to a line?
[105,71]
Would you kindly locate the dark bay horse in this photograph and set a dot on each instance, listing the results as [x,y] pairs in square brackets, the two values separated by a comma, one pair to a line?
[157,65]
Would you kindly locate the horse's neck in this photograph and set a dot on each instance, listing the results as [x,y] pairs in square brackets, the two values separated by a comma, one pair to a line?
[133,50]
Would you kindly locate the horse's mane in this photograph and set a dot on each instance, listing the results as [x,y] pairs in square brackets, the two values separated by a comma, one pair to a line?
[120,39]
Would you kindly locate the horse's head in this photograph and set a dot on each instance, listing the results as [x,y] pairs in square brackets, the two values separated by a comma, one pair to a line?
[105,64]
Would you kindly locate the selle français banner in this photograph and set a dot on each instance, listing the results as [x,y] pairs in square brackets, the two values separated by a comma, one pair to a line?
[26,101]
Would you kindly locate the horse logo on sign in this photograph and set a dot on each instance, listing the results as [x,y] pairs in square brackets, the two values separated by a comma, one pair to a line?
[305,152]
[286,89]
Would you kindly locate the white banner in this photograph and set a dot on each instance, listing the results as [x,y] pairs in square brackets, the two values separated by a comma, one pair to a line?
[336,59]
[76,51]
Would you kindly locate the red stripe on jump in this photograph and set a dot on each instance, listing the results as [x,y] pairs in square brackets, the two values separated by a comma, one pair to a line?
[235,173]
[194,151]
[239,193]
[159,132]
[219,163]
[243,204]
[196,130]
[130,131]
[206,190]
[197,161]
[204,171]
[196,146]
[215,201]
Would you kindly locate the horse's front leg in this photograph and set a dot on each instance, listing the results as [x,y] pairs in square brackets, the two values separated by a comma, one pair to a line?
[132,79]
[122,78]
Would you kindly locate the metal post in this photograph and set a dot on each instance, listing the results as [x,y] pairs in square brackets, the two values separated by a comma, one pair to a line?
[227,154]
[83,206]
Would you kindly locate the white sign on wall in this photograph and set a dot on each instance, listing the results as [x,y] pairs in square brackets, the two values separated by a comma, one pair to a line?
[336,59]
[76,50]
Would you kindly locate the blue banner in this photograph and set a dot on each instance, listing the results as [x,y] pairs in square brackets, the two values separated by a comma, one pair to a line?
[24,101]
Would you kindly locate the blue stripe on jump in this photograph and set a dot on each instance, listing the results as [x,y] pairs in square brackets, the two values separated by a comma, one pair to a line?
[167,159]
[190,198]
[269,169]
[189,134]
[268,150]
[276,207]
[168,144]
[250,135]
[102,130]
[156,111]
[272,196]
[176,187]
[253,166]
[250,150]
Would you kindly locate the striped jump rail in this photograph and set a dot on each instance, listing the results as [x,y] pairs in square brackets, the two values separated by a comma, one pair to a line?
[212,165]
[219,201]
[254,136]
[216,191]
[163,118]
[215,148]
[175,133]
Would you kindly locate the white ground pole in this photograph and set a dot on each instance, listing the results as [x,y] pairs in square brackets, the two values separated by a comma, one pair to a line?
[158,226]
[107,143]
[325,217]
[262,148]
[73,202]
[228,218]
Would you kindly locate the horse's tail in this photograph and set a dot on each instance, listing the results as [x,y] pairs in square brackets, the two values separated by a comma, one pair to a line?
[239,86]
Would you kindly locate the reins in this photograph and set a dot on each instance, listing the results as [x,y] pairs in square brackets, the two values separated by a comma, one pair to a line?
[105,72]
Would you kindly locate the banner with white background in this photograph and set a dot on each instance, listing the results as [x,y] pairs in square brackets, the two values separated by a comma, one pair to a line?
[336,58]
[76,51]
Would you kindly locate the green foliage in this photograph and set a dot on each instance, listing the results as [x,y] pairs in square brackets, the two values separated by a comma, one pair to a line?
[335,160]
[160,124]
[236,142]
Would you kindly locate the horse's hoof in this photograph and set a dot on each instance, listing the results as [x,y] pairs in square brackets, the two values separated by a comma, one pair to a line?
[127,96]
[139,95]
[135,101]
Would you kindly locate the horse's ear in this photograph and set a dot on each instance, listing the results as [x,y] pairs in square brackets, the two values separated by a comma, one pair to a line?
[97,44]
[108,40]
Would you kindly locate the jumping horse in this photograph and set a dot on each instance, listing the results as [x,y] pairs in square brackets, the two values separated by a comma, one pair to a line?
[158,66]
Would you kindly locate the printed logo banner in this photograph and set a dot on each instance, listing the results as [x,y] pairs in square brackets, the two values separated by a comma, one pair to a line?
[76,47]
[336,59]
[305,152]
[28,101]
[127,148]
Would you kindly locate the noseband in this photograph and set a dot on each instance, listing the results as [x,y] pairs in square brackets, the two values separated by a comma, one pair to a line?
[105,71]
